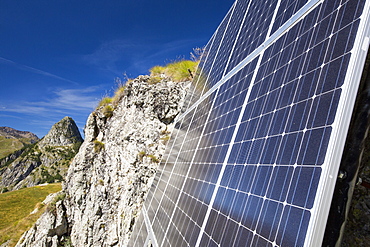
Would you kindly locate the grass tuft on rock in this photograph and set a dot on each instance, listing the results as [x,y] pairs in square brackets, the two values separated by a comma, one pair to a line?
[178,71]
[98,146]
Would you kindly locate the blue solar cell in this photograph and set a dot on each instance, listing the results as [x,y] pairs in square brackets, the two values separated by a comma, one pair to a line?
[289,148]
[279,183]
[303,186]
[236,211]
[293,227]
[279,121]
[253,32]
[248,175]
[314,146]
[244,237]
[271,150]
[286,10]
[251,211]
[333,75]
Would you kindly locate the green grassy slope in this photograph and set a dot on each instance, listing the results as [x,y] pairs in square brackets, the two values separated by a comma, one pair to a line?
[9,145]
[15,209]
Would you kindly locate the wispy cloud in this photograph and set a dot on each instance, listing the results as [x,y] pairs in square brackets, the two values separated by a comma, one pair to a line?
[61,101]
[34,70]
[74,99]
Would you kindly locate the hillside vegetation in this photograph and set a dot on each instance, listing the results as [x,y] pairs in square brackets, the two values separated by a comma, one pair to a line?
[15,209]
[12,140]
[9,145]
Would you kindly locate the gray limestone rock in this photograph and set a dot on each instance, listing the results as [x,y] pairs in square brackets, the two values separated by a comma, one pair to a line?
[110,176]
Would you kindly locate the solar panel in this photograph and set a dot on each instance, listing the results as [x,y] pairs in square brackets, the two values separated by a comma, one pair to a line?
[254,157]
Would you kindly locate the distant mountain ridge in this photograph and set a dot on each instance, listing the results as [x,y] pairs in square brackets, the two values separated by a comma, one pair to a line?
[12,140]
[8,132]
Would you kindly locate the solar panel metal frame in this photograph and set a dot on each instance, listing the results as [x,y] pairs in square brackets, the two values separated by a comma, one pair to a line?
[340,125]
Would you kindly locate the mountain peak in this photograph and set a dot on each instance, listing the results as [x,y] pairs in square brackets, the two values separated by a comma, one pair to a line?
[64,132]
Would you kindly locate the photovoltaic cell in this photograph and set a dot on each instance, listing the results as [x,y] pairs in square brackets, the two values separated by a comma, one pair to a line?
[254,156]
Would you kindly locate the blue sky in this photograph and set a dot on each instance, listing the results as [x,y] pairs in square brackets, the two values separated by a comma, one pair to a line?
[60,57]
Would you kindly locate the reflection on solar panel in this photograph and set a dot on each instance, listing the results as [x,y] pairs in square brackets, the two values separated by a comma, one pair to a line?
[255,156]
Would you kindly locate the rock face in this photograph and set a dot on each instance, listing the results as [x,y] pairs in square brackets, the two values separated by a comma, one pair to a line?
[109,178]
[54,221]
[45,161]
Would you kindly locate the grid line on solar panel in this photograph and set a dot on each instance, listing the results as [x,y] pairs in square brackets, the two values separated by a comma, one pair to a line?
[186,213]
[242,9]
[254,31]
[252,225]
[216,49]
[286,10]
[349,86]
[248,59]
[234,134]
[225,239]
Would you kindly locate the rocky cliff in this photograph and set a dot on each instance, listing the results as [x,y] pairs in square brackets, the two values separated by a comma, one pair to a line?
[109,177]
[45,161]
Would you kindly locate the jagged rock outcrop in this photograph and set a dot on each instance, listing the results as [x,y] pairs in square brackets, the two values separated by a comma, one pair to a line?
[44,161]
[110,176]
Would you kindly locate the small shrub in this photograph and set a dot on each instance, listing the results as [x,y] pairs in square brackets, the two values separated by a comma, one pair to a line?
[118,94]
[98,146]
[52,206]
[76,146]
[58,177]
[108,111]
[105,101]
[182,70]
[67,242]
[46,177]
[59,197]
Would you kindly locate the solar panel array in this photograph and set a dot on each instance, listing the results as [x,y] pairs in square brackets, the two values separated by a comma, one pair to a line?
[254,158]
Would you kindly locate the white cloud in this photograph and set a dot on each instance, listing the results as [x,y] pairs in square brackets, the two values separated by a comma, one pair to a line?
[61,101]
